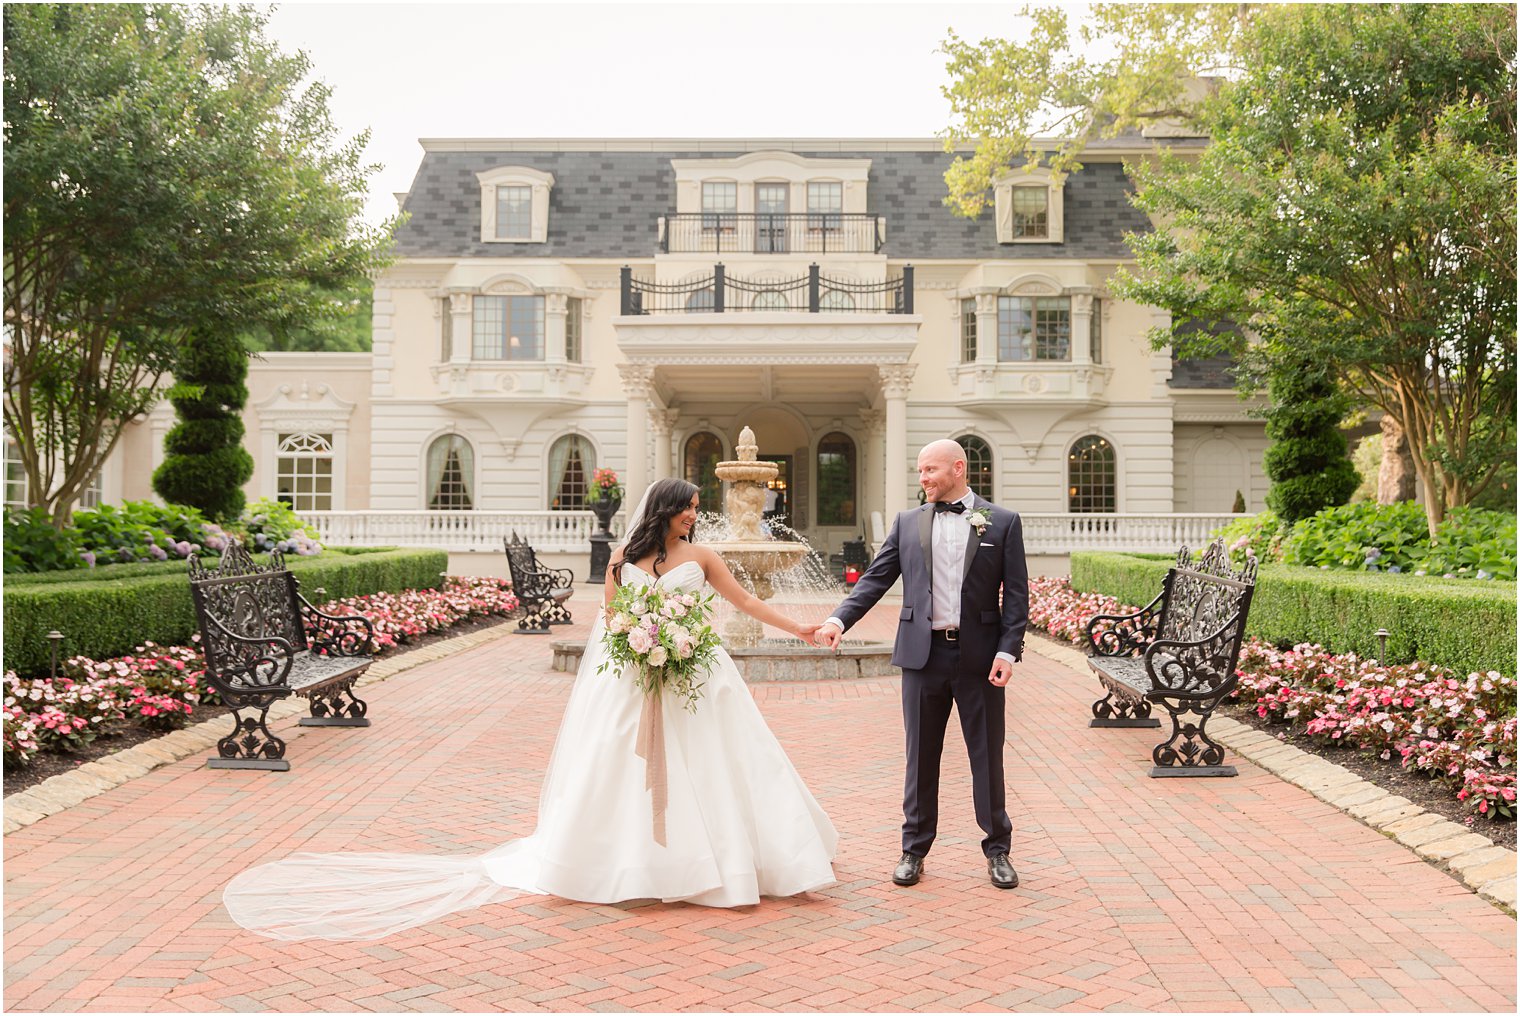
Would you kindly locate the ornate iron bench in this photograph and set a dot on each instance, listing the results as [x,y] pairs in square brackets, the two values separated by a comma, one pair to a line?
[1179,650]
[541,591]
[263,641]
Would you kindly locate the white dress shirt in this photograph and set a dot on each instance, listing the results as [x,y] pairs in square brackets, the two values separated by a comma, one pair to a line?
[947,548]
[949,542]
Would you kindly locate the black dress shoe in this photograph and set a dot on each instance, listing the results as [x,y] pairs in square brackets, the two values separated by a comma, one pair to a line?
[1003,875]
[908,870]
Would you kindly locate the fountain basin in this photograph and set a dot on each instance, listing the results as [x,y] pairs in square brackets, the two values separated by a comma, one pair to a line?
[780,660]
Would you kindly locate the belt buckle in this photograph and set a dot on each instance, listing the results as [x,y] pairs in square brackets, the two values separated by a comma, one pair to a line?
[952,635]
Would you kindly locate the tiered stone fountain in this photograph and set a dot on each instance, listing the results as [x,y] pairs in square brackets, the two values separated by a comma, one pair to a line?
[752,555]
[756,559]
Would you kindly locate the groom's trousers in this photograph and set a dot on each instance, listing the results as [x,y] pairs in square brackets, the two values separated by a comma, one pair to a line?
[927,696]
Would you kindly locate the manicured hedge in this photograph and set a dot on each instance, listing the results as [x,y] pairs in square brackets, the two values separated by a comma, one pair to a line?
[1456,623]
[136,569]
[108,616]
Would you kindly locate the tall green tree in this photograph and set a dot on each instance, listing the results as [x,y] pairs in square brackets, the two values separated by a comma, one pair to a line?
[1356,201]
[166,168]
[1356,207]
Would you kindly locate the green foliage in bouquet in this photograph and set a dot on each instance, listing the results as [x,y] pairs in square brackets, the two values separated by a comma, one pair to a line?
[666,638]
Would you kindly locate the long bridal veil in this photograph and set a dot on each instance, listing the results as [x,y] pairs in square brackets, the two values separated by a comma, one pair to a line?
[371,895]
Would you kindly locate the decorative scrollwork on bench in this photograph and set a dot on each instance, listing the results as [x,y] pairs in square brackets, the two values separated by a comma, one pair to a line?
[263,641]
[1189,648]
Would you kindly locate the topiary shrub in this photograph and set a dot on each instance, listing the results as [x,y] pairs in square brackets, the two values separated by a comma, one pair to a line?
[1307,460]
[205,464]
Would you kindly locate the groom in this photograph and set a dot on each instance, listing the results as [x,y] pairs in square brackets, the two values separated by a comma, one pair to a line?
[955,644]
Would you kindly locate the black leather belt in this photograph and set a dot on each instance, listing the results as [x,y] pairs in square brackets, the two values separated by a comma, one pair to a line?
[947,634]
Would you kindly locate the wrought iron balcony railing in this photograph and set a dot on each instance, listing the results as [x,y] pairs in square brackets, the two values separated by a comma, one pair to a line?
[812,293]
[765,233]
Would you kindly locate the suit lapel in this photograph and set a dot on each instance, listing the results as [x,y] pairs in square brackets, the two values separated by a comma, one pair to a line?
[926,541]
[973,542]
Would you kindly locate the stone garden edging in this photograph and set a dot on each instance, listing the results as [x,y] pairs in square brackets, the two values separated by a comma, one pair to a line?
[1472,858]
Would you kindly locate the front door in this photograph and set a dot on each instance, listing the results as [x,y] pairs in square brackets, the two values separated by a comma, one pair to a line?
[770,217]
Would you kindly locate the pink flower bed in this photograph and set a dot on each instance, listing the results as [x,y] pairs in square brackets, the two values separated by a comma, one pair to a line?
[1458,730]
[159,687]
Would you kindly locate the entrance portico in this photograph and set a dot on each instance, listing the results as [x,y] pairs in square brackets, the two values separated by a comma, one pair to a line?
[794,378]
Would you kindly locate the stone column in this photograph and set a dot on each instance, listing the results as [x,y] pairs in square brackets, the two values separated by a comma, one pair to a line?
[896,380]
[662,423]
[554,330]
[1081,330]
[638,380]
[873,425]
[461,341]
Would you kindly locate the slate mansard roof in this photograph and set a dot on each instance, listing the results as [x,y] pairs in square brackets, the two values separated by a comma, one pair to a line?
[604,204]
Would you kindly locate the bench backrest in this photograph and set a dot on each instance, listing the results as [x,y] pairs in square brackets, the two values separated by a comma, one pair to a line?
[527,578]
[1200,598]
[252,600]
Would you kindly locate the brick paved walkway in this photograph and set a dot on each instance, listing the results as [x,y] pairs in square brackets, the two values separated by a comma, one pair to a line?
[1138,894]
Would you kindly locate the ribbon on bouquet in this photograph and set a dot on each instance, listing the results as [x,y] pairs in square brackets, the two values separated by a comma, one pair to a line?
[650,747]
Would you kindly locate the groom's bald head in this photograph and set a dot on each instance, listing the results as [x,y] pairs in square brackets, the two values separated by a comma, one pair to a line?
[945,450]
[942,470]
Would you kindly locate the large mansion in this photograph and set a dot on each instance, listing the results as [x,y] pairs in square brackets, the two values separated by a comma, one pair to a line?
[560,306]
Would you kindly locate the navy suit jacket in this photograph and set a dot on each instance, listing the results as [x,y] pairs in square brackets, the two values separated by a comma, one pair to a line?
[994,565]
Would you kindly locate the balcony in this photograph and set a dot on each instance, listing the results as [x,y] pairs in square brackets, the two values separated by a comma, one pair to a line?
[721,293]
[765,233]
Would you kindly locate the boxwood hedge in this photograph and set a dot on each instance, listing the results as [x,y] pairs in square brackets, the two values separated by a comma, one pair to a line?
[101,615]
[1457,623]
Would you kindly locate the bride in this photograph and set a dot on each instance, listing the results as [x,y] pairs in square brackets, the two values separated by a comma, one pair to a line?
[706,809]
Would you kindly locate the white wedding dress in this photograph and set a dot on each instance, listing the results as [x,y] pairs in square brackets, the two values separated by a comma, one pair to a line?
[739,821]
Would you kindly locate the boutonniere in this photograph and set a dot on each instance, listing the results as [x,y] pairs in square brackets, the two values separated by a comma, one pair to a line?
[979,520]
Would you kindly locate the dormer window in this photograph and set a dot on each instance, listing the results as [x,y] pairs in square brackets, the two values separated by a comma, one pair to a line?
[1029,207]
[514,205]
[514,213]
[1031,213]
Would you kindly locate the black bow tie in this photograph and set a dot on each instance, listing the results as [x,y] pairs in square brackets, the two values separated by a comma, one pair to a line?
[949,506]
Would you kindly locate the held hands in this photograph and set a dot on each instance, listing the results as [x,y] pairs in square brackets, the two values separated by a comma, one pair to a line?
[808,633]
[827,636]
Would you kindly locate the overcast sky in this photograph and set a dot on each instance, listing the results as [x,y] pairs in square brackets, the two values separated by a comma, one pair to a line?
[408,71]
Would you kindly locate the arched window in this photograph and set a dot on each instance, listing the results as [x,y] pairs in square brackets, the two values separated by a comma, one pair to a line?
[450,474]
[978,464]
[304,471]
[700,466]
[770,299]
[836,299]
[700,301]
[836,480]
[571,463]
[1090,472]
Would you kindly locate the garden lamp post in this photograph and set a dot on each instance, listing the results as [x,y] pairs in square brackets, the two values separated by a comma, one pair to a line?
[54,638]
[1382,637]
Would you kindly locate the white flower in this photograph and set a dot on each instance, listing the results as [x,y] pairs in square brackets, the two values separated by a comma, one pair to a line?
[639,640]
[657,656]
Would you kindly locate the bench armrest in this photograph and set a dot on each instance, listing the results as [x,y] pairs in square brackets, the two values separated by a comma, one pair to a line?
[265,662]
[336,634]
[1204,669]
[1125,634]
[564,578]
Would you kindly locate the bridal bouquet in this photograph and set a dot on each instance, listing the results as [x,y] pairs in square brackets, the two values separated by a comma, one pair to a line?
[665,637]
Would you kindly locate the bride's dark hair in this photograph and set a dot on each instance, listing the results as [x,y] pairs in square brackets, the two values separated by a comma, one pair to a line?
[667,499]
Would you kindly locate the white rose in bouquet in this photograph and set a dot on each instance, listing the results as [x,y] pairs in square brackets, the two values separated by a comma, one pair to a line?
[639,640]
[658,656]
